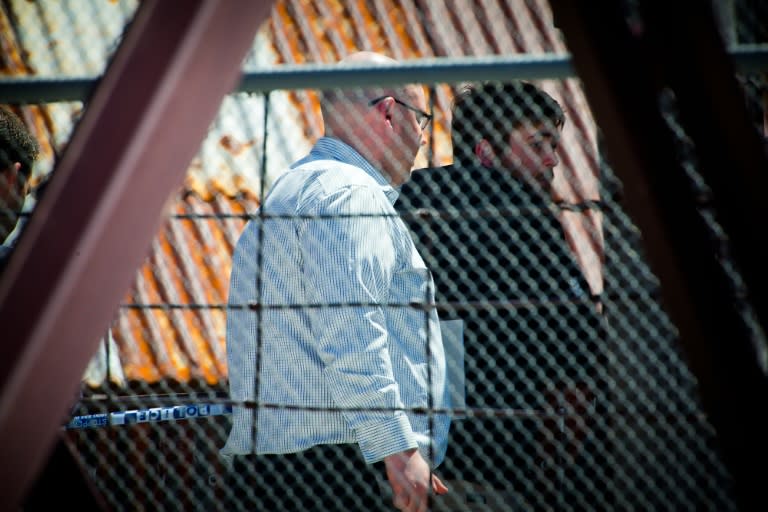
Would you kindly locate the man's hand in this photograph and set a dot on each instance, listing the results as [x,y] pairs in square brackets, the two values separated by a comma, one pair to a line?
[409,476]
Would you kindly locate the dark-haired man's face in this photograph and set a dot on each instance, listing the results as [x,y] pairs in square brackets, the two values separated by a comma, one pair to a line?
[531,152]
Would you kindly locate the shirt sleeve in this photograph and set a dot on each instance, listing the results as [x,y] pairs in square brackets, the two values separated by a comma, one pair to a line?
[349,260]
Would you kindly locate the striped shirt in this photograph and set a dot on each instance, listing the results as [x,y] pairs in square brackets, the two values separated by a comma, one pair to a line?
[346,350]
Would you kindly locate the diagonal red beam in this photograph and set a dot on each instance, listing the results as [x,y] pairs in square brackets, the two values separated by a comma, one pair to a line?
[85,240]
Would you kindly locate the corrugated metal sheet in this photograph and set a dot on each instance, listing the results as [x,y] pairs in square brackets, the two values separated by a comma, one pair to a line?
[171,324]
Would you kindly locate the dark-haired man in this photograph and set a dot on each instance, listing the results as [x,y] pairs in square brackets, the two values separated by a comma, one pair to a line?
[489,232]
[18,151]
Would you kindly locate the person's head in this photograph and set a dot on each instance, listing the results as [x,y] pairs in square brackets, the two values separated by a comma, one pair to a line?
[514,126]
[18,150]
[385,125]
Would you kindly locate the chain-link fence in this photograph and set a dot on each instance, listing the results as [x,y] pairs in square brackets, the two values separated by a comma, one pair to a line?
[566,385]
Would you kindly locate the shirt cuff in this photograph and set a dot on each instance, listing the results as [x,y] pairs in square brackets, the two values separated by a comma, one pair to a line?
[382,438]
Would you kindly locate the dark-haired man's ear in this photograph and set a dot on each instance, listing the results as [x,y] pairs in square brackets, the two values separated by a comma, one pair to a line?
[485,153]
[11,175]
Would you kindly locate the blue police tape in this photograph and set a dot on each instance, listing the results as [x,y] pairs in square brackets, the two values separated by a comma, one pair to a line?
[152,415]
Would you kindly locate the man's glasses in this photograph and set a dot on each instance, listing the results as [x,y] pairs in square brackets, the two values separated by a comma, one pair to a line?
[422,117]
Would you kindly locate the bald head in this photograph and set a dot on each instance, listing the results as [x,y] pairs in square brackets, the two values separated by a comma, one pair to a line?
[334,101]
[381,123]
[367,58]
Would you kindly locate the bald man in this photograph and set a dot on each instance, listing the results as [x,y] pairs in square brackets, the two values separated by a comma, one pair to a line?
[343,366]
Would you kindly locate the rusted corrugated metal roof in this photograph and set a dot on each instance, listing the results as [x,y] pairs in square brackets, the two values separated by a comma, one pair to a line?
[171,324]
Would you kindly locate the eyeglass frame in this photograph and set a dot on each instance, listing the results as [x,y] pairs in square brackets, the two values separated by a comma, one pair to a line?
[424,119]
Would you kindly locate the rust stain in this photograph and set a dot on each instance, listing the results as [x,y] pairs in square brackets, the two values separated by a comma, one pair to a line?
[234,146]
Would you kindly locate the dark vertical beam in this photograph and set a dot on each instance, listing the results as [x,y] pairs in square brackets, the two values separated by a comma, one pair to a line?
[621,86]
[89,234]
[623,72]
[714,111]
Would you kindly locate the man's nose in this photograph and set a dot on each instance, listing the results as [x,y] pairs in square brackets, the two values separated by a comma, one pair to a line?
[550,159]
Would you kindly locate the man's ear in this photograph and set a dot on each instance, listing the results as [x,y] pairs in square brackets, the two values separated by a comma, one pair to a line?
[11,175]
[485,153]
[384,107]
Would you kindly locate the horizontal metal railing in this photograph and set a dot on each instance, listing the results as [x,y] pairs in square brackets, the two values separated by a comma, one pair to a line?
[37,89]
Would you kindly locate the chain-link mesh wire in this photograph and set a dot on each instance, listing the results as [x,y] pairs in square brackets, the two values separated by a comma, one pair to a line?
[569,389]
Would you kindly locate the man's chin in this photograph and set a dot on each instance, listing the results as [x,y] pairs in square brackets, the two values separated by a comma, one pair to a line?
[398,173]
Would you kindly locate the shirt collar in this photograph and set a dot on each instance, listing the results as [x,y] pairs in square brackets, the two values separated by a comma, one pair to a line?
[329,148]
